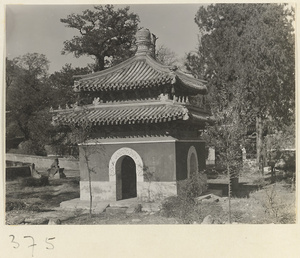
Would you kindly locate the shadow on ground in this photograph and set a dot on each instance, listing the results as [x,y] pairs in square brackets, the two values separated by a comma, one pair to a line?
[243,190]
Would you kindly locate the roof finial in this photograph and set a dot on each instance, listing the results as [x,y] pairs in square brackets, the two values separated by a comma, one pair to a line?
[145,42]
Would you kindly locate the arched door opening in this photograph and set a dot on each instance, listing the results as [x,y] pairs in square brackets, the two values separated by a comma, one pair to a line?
[192,162]
[127,178]
[118,170]
[193,165]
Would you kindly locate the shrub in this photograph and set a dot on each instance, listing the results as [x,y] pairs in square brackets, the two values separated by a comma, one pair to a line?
[31,148]
[184,206]
[192,187]
[34,182]
[176,207]
[276,202]
[21,205]
[15,205]
[260,182]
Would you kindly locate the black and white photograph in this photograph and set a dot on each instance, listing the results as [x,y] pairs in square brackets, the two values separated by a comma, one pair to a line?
[150,114]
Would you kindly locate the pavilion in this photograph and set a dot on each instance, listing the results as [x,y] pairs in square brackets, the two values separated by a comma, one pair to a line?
[145,128]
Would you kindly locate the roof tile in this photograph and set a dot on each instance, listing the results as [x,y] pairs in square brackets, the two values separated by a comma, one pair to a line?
[122,115]
[140,71]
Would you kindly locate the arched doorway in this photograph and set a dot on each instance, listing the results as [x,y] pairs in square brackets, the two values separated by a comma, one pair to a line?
[128,178]
[123,164]
[193,165]
[192,162]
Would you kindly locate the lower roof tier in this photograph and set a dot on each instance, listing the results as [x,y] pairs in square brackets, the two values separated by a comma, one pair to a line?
[130,114]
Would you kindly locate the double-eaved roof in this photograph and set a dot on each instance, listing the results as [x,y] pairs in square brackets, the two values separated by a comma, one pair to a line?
[138,72]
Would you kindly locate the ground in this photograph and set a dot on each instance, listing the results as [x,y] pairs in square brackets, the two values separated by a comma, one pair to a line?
[257,202]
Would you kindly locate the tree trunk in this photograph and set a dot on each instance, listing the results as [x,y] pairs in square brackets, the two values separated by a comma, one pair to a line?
[91,196]
[90,180]
[99,63]
[229,194]
[259,144]
[24,130]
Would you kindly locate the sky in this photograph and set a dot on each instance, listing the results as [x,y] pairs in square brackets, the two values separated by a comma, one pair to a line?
[37,29]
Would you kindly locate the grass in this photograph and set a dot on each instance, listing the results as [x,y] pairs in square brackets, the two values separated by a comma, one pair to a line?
[39,198]
[263,204]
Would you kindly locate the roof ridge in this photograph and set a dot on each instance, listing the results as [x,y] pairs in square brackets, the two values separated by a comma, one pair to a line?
[147,58]
[108,70]
[154,62]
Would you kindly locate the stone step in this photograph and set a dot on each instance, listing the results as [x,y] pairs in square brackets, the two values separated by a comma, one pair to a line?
[115,210]
[98,206]
[125,203]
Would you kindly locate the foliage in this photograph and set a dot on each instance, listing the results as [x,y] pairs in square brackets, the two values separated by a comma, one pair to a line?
[165,56]
[87,152]
[63,81]
[227,133]
[34,182]
[27,97]
[189,213]
[36,65]
[272,204]
[184,205]
[12,70]
[276,203]
[30,94]
[175,207]
[14,205]
[149,177]
[104,32]
[30,148]
[246,51]
[192,187]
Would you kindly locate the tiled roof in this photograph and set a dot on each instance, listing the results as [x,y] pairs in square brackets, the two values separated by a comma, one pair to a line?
[126,114]
[140,71]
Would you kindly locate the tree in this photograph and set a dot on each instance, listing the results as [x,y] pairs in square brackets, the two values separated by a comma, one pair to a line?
[227,135]
[81,134]
[27,95]
[165,55]
[104,32]
[249,48]
[63,81]
[12,70]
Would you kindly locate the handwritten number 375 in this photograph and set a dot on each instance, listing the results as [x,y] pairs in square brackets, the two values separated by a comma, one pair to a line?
[17,245]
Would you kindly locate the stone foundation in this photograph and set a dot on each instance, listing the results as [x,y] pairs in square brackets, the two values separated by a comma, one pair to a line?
[100,190]
[145,191]
[157,190]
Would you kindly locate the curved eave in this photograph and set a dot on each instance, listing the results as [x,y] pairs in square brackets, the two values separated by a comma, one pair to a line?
[138,72]
[192,84]
[120,115]
[123,65]
[200,115]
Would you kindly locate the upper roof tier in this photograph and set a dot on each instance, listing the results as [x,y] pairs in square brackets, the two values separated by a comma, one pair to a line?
[139,72]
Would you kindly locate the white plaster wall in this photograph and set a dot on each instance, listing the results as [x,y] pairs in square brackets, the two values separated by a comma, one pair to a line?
[100,190]
[107,190]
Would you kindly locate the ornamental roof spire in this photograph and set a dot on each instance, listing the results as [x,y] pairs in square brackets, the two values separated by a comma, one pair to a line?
[145,41]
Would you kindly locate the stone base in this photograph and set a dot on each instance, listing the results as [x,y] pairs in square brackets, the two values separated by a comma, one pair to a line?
[128,206]
[154,191]
[105,191]
[146,191]
[77,204]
